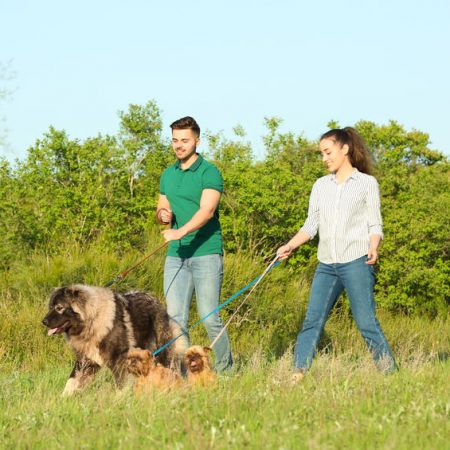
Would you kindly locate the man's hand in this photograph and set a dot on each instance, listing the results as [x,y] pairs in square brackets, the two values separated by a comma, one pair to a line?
[172,235]
[165,215]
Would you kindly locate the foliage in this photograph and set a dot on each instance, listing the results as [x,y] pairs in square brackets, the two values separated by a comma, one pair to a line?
[72,191]
[8,207]
[415,271]
[414,184]
[104,189]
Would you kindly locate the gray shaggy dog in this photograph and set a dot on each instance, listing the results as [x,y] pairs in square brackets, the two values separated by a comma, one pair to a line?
[101,326]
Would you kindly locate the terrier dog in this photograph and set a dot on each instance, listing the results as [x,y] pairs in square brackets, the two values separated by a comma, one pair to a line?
[150,374]
[198,364]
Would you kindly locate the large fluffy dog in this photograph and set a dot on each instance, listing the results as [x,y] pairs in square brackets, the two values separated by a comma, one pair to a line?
[102,325]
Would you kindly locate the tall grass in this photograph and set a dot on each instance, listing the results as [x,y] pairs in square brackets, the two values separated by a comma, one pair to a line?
[343,403]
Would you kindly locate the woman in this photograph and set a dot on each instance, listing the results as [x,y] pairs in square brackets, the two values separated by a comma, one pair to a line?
[345,208]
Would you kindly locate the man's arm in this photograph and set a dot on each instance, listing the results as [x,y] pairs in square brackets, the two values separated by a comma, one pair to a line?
[163,211]
[209,202]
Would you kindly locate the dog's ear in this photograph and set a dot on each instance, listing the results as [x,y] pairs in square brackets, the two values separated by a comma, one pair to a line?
[149,354]
[207,349]
[73,291]
[53,294]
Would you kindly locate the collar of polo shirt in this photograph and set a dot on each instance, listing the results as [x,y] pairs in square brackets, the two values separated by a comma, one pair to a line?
[193,167]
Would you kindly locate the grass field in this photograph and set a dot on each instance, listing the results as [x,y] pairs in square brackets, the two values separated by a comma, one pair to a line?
[343,403]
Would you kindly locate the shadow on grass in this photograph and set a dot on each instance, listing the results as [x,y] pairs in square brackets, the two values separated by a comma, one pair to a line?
[443,356]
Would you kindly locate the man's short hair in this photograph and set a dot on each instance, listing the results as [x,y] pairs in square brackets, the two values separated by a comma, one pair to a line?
[186,123]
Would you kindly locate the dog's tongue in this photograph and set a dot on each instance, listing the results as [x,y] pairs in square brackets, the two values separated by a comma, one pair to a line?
[52,331]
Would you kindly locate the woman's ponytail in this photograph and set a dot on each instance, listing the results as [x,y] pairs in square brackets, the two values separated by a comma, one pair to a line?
[358,153]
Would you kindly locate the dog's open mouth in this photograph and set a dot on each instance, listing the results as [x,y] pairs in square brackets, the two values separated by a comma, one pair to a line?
[64,327]
[194,366]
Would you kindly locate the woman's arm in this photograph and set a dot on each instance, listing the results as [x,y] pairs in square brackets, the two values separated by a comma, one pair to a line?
[375,222]
[299,239]
[308,230]
[372,254]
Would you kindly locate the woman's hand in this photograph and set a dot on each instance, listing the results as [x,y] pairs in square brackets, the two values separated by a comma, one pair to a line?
[372,256]
[284,251]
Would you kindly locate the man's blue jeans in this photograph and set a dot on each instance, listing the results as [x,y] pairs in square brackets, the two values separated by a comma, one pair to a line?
[204,274]
[358,279]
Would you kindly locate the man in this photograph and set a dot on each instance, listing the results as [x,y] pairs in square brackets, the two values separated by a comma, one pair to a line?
[189,198]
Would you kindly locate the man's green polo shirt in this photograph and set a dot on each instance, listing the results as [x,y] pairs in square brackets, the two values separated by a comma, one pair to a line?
[183,189]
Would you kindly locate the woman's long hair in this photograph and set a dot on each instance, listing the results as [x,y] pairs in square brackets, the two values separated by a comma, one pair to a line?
[357,150]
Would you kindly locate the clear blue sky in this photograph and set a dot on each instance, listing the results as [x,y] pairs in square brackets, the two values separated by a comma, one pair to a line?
[226,63]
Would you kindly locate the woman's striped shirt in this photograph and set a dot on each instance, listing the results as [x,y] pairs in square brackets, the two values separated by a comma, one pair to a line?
[346,215]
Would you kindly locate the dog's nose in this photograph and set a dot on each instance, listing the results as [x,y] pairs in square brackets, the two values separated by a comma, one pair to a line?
[45,321]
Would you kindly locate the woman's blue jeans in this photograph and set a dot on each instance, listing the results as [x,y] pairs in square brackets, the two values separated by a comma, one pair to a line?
[358,279]
[204,274]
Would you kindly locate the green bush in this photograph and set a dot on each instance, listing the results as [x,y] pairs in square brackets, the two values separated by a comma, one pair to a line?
[104,190]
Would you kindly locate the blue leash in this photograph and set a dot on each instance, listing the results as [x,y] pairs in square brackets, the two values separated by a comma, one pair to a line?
[237,294]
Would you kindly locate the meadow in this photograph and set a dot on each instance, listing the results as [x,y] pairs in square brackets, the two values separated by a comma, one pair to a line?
[342,403]
[82,210]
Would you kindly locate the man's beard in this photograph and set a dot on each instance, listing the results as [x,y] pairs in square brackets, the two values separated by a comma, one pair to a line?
[185,158]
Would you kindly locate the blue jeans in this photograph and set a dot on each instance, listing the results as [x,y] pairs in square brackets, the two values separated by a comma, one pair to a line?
[358,279]
[204,274]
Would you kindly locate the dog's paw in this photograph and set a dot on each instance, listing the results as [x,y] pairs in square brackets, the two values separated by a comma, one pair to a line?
[71,387]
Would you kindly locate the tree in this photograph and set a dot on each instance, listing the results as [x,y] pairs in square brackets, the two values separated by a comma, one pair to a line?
[145,153]
[414,185]
[105,189]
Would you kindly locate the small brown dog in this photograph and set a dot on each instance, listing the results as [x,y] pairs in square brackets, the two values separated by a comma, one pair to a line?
[150,374]
[198,365]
